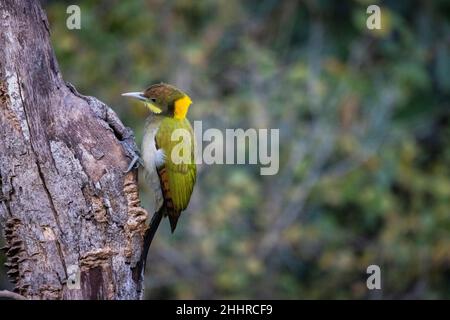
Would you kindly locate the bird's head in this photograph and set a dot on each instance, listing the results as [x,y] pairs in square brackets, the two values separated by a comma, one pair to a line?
[164,99]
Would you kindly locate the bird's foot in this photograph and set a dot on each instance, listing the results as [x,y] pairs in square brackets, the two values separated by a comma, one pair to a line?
[132,151]
[135,162]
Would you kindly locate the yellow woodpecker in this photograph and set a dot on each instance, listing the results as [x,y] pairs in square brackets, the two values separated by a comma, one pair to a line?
[171,182]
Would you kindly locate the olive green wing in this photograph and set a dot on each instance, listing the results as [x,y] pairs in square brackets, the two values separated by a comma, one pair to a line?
[177,179]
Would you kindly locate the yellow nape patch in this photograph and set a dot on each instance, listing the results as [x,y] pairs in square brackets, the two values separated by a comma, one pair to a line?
[153,108]
[181,107]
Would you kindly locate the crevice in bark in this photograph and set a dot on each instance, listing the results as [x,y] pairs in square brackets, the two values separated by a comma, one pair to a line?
[49,196]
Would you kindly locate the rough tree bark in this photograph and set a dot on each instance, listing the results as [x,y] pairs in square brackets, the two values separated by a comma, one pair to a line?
[71,218]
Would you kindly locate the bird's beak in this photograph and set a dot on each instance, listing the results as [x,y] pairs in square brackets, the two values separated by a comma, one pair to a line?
[135,95]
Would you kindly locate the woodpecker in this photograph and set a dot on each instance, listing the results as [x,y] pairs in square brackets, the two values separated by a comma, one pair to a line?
[171,182]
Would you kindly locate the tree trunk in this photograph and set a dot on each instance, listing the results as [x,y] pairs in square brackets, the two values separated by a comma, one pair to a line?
[71,218]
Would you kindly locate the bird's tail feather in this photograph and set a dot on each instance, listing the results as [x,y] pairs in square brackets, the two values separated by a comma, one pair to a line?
[173,219]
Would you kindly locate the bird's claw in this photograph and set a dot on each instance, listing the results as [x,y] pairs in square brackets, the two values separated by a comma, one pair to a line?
[137,161]
[133,152]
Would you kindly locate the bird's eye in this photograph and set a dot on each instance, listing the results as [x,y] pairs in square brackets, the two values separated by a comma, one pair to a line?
[153,100]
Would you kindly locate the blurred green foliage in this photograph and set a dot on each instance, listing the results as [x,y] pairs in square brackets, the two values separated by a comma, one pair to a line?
[364,127]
